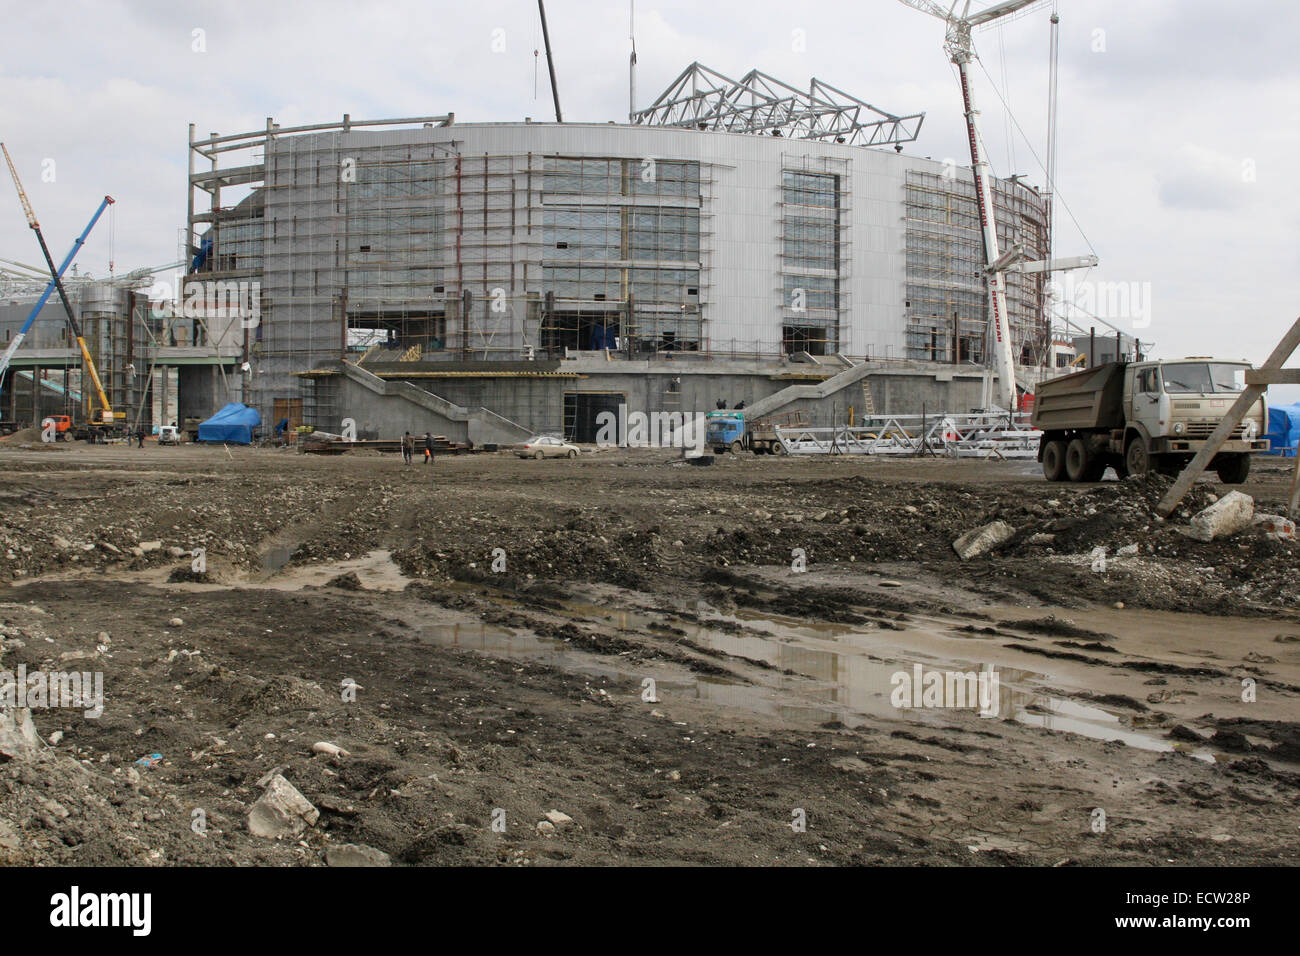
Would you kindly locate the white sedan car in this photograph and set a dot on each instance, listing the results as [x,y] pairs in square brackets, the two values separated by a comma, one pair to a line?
[545,446]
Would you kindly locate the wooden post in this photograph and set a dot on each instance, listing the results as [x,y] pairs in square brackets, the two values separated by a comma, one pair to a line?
[1271,372]
[1295,490]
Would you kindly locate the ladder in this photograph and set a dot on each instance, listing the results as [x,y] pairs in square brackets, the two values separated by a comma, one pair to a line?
[868,406]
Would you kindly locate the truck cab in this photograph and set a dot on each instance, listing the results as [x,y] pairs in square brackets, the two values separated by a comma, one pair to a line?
[725,431]
[1172,406]
[63,430]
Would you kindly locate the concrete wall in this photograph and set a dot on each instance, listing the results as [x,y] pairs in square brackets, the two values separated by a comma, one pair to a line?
[899,393]
[387,409]
[47,332]
[201,391]
[450,406]
[535,403]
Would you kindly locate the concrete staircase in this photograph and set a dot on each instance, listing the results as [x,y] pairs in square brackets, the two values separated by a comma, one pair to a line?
[482,425]
[817,392]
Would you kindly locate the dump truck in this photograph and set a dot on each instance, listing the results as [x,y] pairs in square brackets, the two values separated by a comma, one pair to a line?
[728,431]
[1138,417]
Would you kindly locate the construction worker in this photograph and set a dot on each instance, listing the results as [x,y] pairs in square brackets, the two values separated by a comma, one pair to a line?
[428,448]
[408,448]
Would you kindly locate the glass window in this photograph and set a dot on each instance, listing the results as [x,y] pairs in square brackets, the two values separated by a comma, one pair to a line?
[1228,378]
[811,189]
[1204,378]
[813,292]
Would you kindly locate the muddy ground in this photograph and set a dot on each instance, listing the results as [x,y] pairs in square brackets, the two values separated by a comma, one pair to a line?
[625,639]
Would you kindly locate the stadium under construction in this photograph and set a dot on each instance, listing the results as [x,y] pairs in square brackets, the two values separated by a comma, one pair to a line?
[734,240]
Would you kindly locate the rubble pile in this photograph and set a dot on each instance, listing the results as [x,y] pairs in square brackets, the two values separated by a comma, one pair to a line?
[136,526]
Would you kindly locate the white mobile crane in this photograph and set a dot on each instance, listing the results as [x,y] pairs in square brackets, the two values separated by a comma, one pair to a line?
[957,44]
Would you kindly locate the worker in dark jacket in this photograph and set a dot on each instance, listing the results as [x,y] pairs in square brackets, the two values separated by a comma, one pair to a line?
[408,448]
[428,448]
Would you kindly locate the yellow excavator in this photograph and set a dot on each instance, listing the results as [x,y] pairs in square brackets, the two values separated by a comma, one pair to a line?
[104,414]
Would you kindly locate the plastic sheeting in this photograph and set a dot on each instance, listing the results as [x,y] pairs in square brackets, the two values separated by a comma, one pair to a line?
[234,424]
[1283,430]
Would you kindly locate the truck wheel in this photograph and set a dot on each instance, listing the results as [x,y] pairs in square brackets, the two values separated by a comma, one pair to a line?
[778,448]
[1233,469]
[736,447]
[1136,458]
[1054,460]
[1078,462]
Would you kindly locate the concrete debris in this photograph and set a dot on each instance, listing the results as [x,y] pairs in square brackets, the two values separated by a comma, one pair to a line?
[18,737]
[281,812]
[1230,514]
[557,818]
[1275,527]
[1128,551]
[982,540]
[329,749]
[9,838]
[356,854]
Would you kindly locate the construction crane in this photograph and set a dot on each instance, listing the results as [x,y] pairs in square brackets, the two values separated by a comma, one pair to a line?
[8,355]
[105,414]
[550,61]
[957,44]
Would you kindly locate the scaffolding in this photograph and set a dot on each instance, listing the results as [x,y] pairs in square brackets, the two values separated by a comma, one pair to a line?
[815,254]
[623,255]
[390,248]
[947,300]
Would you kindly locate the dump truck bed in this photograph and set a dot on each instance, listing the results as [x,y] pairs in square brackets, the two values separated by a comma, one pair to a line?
[1089,399]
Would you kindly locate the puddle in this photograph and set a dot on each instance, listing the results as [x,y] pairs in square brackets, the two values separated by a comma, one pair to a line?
[782,698]
[822,671]
[376,571]
[1070,717]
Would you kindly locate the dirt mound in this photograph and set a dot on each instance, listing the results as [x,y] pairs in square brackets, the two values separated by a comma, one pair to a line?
[29,434]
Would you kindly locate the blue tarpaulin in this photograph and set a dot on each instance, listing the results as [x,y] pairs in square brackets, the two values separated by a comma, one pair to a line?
[1283,429]
[233,424]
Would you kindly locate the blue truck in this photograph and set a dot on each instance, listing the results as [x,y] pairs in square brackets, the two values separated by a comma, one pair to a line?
[729,431]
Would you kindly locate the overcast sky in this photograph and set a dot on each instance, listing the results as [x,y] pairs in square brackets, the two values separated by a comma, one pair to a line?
[1179,119]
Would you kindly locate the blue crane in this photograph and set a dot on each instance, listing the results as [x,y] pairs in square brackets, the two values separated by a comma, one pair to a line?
[49,289]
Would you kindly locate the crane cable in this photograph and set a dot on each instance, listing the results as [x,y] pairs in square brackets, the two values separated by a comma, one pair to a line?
[1006,85]
[1038,159]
